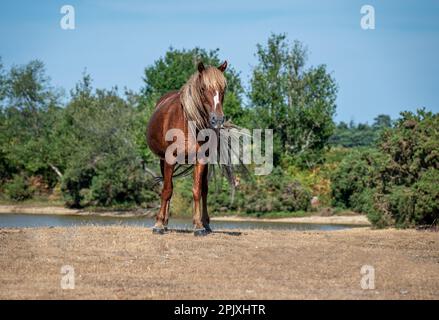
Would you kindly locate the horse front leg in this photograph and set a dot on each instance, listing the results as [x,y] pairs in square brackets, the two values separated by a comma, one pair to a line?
[204,191]
[163,215]
[199,229]
[168,203]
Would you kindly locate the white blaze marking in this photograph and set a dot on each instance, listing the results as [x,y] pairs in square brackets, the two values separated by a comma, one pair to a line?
[215,100]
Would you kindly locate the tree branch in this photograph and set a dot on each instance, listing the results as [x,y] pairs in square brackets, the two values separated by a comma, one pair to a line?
[59,174]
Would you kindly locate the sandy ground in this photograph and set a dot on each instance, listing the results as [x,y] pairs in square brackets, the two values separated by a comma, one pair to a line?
[132,263]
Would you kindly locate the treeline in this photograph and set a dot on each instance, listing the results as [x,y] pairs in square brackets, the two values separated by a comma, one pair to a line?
[359,135]
[88,148]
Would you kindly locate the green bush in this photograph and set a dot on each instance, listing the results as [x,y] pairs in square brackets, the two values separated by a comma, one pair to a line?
[18,189]
[401,203]
[75,181]
[282,193]
[355,177]
[427,197]
[112,181]
[396,184]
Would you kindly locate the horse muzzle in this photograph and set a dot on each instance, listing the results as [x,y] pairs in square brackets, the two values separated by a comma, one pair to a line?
[216,121]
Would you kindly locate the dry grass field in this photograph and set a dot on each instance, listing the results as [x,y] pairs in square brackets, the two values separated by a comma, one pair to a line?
[132,263]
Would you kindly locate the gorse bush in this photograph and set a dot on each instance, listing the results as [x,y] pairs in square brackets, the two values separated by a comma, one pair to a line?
[396,184]
[355,176]
[427,197]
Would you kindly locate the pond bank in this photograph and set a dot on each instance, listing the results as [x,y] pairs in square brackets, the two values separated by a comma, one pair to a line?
[359,220]
[53,210]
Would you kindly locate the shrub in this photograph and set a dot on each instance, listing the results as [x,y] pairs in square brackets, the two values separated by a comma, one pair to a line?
[355,177]
[75,180]
[109,182]
[427,198]
[18,189]
[281,193]
[397,183]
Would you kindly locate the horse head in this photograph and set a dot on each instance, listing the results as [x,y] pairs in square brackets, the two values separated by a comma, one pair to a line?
[212,86]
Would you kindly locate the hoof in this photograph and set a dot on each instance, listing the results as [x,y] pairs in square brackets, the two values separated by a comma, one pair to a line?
[157,230]
[200,232]
[208,229]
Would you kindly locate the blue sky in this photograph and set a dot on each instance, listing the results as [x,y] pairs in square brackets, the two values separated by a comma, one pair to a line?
[392,68]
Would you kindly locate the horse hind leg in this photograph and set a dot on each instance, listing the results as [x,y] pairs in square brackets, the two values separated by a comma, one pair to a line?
[163,215]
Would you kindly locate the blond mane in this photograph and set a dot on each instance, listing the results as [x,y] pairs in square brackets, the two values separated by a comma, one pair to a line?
[190,94]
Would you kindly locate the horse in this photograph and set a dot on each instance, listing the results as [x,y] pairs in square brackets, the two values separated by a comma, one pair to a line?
[199,101]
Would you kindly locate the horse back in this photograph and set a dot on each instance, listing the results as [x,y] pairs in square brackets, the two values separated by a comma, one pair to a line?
[168,97]
[168,114]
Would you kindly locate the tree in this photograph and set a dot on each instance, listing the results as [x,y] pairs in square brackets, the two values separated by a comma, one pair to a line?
[5,168]
[297,103]
[103,163]
[361,134]
[2,84]
[30,109]
[382,121]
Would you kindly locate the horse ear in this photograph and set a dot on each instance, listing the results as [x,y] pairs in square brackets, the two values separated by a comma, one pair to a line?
[200,67]
[223,66]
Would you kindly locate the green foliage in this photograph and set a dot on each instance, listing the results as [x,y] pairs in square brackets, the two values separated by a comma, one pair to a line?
[413,146]
[114,181]
[3,78]
[297,103]
[283,193]
[361,135]
[18,189]
[395,184]
[359,171]
[104,165]
[427,197]
[27,120]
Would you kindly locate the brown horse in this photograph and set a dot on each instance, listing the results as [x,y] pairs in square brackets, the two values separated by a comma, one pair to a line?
[200,101]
